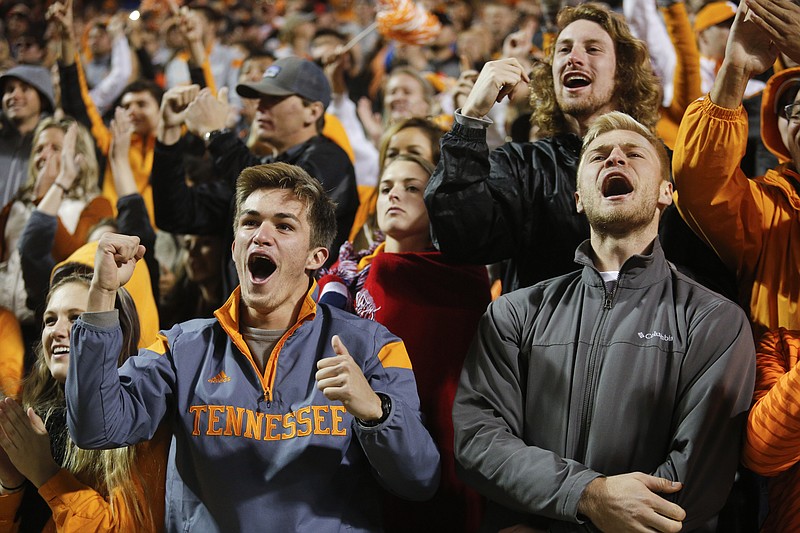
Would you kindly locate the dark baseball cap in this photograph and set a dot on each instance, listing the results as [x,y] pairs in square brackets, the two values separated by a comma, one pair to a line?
[287,76]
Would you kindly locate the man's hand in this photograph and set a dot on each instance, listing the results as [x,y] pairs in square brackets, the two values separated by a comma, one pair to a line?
[340,378]
[496,81]
[207,113]
[114,262]
[628,502]
[780,19]
[60,15]
[749,52]
[173,112]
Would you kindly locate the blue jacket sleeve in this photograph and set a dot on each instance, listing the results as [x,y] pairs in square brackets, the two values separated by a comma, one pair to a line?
[400,450]
[109,407]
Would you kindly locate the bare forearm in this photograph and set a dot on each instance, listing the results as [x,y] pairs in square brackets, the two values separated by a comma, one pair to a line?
[729,86]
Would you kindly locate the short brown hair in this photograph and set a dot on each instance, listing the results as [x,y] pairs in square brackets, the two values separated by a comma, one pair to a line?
[636,95]
[320,209]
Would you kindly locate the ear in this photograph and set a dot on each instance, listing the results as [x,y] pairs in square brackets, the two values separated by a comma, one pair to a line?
[578,204]
[313,112]
[664,194]
[316,258]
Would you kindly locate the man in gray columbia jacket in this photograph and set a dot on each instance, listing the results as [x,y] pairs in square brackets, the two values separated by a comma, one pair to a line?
[612,398]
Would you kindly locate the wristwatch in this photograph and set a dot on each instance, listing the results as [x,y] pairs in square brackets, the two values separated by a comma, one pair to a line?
[386,409]
[213,134]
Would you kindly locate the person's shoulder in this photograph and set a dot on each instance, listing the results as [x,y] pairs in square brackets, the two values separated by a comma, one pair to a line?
[532,299]
[699,300]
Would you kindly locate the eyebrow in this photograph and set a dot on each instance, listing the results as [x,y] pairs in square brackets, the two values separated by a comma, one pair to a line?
[255,213]
[609,147]
[585,41]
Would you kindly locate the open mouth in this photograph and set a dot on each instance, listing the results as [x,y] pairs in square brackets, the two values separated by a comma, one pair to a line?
[261,268]
[576,81]
[616,186]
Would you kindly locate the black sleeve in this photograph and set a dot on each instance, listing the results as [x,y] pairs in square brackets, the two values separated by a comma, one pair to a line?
[35,250]
[202,209]
[132,219]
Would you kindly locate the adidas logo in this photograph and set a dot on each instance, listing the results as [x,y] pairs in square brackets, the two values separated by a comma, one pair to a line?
[222,377]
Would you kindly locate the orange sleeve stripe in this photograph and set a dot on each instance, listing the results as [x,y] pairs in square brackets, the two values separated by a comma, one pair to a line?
[99,130]
[160,346]
[394,355]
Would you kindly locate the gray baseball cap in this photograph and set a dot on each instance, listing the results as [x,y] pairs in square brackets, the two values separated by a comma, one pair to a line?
[287,76]
[37,77]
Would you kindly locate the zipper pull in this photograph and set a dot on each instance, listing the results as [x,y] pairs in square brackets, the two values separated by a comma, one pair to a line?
[265,398]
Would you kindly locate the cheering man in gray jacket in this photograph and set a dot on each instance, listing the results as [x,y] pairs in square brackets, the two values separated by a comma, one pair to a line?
[613,397]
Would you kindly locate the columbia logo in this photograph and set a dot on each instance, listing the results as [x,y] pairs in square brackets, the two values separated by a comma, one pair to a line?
[222,377]
[656,335]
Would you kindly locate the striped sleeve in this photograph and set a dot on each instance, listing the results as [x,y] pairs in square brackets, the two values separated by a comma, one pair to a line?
[772,443]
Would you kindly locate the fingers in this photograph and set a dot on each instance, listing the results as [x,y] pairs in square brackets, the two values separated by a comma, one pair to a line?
[338,346]
[36,422]
[659,484]
[123,248]
[465,63]
[222,95]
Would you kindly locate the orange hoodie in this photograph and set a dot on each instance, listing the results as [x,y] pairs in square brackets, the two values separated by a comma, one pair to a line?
[752,224]
[772,443]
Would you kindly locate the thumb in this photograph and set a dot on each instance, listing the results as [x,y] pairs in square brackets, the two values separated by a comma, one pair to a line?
[36,422]
[222,95]
[662,485]
[338,346]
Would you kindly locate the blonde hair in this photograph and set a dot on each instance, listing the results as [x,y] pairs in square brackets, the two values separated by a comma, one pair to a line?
[616,121]
[108,472]
[86,184]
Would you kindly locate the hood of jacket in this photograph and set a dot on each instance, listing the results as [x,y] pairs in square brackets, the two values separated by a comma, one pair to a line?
[770,134]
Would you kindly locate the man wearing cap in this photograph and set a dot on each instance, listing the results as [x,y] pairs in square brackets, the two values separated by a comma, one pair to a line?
[293,95]
[27,97]
[752,224]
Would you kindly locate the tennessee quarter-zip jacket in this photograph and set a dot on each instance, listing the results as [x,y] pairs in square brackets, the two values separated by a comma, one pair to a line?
[255,451]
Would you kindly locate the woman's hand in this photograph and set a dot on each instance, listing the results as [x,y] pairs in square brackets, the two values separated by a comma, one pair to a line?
[25,440]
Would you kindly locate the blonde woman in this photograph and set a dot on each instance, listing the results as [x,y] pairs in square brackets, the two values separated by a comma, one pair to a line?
[62,190]
[85,490]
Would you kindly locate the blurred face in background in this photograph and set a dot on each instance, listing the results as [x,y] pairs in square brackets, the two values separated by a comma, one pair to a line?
[203,258]
[409,141]
[404,98]
[142,110]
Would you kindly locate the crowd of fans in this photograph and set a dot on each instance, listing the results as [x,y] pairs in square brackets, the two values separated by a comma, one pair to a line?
[452,165]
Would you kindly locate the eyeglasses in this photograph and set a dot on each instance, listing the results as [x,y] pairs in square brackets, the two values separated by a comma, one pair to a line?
[792,112]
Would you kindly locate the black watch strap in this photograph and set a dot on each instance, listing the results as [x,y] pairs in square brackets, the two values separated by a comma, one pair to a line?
[386,409]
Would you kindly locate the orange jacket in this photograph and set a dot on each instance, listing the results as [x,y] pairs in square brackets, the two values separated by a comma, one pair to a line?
[12,354]
[686,79]
[772,443]
[752,224]
[79,508]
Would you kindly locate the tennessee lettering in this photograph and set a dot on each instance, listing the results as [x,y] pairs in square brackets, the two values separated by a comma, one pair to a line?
[231,421]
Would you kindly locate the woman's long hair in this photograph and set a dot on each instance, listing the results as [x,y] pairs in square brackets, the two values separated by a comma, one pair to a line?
[106,471]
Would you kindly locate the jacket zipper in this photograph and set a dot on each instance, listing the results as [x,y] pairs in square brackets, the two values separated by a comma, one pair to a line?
[591,371]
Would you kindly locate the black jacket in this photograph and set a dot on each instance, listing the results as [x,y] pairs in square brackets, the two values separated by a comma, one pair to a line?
[516,203]
[208,208]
